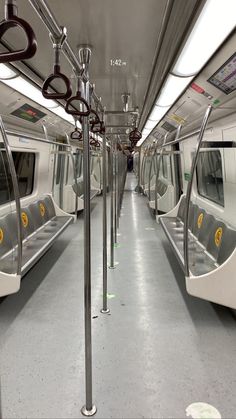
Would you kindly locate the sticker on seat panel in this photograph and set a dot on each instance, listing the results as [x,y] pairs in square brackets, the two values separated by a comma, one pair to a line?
[1,235]
[42,209]
[24,219]
[218,236]
[200,220]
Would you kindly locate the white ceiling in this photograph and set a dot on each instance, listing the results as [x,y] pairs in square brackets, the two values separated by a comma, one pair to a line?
[115,29]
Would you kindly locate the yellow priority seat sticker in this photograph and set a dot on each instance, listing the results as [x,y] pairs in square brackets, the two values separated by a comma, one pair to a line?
[1,235]
[42,209]
[200,220]
[218,236]
[24,219]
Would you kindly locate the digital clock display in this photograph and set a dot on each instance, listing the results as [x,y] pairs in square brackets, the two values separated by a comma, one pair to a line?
[117,62]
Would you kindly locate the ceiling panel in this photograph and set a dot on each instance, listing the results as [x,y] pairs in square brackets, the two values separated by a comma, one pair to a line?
[127,30]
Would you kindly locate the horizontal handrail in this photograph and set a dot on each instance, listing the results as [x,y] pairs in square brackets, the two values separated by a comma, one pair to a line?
[32,137]
[46,15]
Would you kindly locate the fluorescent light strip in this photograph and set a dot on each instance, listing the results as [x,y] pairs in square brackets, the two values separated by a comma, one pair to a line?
[6,72]
[172,88]
[27,89]
[214,24]
[24,87]
[206,36]
[60,111]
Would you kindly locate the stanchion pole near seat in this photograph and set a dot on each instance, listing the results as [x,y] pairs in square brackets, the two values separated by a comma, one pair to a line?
[89,409]
[115,192]
[112,265]
[190,185]
[16,192]
[104,309]
[158,172]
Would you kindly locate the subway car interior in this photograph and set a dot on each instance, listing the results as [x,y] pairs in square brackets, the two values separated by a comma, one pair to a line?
[117,209]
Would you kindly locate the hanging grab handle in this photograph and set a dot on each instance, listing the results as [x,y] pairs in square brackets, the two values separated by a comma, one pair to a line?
[95,120]
[135,135]
[12,20]
[78,98]
[76,135]
[94,142]
[57,75]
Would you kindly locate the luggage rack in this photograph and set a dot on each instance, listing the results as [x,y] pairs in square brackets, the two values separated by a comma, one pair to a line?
[205,245]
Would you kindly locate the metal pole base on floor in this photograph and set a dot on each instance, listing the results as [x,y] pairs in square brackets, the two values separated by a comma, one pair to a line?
[105,311]
[91,412]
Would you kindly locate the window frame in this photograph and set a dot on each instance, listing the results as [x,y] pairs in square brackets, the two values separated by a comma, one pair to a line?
[217,202]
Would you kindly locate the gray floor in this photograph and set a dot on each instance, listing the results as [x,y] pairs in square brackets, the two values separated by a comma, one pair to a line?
[159,350]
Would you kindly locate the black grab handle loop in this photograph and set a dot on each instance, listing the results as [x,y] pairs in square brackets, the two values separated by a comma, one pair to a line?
[76,135]
[12,20]
[57,46]
[135,135]
[94,142]
[60,76]
[78,98]
[95,120]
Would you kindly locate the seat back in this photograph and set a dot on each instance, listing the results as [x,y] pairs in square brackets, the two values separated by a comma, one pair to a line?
[216,235]
[199,219]
[49,206]
[228,245]
[6,238]
[206,228]
[27,220]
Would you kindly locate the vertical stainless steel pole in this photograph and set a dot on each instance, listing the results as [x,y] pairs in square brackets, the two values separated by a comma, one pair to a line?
[115,193]
[104,309]
[158,172]
[190,185]
[89,409]
[138,187]
[112,265]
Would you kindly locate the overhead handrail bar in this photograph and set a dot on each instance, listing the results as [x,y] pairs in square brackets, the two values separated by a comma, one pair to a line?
[16,195]
[190,185]
[46,15]
[185,137]
[11,20]
[32,137]
[57,75]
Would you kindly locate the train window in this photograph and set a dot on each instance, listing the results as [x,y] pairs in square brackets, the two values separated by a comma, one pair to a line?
[79,163]
[210,176]
[25,166]
[164,167]
[5,179]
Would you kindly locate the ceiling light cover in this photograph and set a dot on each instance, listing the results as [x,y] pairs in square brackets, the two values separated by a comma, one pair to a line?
[60,111]
[27,89]
[214,24]
[6,72]
[171,90]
